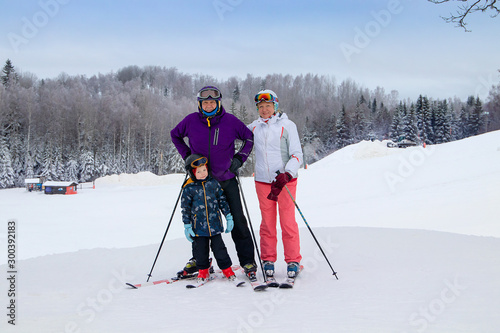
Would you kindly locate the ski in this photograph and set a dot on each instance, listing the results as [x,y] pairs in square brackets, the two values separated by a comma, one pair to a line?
[174,279]
[151,283]
[271,282]
[200,283]
[237,282]
[256,285]
[290,281]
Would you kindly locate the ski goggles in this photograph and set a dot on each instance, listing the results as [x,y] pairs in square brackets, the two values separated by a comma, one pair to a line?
[201,161]
[265,97]
[209,93]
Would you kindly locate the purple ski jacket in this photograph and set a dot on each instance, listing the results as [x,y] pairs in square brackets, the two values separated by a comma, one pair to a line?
[214,138]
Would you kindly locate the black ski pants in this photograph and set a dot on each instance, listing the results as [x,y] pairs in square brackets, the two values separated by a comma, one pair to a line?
[201,251]
[241,235]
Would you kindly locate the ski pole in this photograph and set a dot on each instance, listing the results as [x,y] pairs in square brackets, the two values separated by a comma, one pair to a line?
[308,227]
[168,227]
[251,227]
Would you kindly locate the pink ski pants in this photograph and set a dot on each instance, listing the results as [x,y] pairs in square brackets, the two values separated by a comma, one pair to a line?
[289,227]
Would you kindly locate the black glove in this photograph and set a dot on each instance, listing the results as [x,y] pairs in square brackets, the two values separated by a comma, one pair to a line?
[235,164]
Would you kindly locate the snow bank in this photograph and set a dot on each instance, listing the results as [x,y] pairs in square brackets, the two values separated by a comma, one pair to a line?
[144,178]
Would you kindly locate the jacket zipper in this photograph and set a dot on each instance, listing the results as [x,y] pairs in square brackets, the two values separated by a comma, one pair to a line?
[209,145]
[206,208]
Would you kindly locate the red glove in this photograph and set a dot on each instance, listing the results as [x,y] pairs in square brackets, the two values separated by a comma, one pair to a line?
[275,191]
[282,179]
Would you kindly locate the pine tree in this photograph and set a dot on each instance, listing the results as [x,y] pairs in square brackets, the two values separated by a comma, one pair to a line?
[9,76]
[236,94]
[442,125]
[463,123]
[397,122]
[410,130]
[343,130]
[424,119]
[475,115]
[359,124]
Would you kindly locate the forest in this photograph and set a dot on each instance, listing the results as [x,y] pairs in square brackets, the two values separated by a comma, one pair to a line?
[80,128]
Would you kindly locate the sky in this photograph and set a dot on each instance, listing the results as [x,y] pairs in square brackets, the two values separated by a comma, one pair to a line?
[402,45]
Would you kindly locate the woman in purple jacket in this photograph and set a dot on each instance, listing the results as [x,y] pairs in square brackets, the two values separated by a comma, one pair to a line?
[212,133]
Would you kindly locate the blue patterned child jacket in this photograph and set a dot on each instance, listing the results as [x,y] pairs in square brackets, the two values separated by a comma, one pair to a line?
[201,203]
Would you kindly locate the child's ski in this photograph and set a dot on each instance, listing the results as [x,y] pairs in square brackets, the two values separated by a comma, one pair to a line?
[290,281]
[200,283]
[151,283]
[174,279]
[234,280]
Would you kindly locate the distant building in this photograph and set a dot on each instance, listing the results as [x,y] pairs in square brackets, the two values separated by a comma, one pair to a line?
[33,184]
[52,187]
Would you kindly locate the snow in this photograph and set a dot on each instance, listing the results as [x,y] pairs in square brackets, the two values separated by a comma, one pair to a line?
[413,234]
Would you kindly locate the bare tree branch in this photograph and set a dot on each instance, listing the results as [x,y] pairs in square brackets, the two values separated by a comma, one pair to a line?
[467,8]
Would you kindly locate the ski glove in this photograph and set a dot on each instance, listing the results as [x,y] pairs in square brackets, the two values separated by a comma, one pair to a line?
[275,191]
[188,231]
[230,223]
[235,164]
[282,179]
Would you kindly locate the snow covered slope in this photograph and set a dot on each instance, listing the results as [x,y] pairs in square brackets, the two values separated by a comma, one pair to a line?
[413,234]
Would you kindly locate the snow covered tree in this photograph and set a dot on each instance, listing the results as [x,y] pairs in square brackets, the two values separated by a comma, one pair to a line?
[397,122]
[7,176]
[359,122]
[343,130]
[476,119]
[424,119]
[236,94]
[410,130]
[9,76]
[442,125]
[87,167]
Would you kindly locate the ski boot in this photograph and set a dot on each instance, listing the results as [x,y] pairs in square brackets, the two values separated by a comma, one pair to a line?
[229,274]
[191,269]
[269,271]
[250,270]
[292,269]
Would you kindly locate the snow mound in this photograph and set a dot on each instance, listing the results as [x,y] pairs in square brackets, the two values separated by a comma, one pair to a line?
[144,178]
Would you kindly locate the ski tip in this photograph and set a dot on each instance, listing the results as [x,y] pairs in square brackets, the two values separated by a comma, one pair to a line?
[285,286]
[260,287]
[131,285]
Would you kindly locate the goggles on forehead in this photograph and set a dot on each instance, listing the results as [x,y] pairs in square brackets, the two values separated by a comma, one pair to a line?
[265,97]
[199,162]
[209,93]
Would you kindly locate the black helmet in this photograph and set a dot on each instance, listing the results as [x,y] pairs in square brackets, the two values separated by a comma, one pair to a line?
[194,161]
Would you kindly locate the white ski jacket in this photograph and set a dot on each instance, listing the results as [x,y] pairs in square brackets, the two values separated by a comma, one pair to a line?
[277,147]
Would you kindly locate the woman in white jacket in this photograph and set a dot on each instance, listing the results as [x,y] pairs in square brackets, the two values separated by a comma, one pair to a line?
[278,156]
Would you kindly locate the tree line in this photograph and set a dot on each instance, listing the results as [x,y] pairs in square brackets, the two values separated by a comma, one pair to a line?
[79,128]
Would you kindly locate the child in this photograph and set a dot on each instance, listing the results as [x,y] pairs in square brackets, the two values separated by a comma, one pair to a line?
[202,201]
